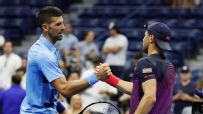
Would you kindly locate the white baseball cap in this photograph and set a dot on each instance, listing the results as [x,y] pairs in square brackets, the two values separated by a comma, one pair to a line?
[2,40]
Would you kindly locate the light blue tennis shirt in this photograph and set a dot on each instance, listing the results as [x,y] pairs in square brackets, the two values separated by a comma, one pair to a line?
[42,69]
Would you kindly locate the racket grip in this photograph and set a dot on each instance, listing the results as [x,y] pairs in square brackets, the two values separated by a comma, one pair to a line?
[60,108]
[112,80]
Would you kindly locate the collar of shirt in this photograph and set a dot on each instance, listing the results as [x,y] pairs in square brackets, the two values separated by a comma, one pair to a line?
[15,86]
[158,56]
[48,44]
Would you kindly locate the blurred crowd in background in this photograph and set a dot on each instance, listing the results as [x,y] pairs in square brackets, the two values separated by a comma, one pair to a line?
[80,54]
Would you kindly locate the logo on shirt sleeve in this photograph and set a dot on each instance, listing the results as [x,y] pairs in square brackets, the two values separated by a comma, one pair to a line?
[147,70]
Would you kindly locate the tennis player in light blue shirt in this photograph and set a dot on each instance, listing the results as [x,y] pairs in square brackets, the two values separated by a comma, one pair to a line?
[44,78]
[42,69]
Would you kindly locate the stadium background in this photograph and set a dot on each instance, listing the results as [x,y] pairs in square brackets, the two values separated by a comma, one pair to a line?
[18,24]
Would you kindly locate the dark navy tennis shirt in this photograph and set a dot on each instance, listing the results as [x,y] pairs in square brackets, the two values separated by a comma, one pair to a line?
[154,67]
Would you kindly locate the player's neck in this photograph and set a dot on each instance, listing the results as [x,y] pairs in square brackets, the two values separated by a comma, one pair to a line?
[48,38]
[154,50]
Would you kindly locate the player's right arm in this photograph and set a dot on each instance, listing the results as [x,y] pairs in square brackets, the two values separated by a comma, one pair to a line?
[68,88]
[53,74]
[114,81]
[125,86]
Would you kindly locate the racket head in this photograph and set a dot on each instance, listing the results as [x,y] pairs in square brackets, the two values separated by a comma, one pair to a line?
[101,107]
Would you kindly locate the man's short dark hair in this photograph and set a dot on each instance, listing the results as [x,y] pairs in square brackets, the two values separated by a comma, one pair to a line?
[44,14]
[8,41]
[84,35]
[138,55]
[16,79]
[96,60]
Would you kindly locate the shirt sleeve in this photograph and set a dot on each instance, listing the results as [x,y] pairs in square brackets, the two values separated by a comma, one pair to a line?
[122,41]
[50,68]
[96,50]
[75,41]
[145,70]
[106,43]
[18,62]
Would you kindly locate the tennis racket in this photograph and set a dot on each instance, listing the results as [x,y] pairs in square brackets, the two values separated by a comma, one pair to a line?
[101,107]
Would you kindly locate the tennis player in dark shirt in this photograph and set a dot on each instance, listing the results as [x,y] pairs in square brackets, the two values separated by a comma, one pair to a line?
[154,76]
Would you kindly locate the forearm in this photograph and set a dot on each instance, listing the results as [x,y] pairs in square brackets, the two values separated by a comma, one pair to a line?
[175,97]
[74,87]
[125,86]
[116,49]
[145,105]
[68,88]
[120,84]
[106,50]
[194,99]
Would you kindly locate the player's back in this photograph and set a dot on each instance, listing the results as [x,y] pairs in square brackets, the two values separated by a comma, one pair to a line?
[165,76]
[164,73]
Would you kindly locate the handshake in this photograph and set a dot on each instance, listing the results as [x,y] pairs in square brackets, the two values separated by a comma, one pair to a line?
[103,71]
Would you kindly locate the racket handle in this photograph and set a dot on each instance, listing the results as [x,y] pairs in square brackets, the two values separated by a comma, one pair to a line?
[60,108]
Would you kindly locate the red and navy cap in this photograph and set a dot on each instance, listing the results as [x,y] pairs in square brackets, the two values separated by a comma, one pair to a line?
[162,34]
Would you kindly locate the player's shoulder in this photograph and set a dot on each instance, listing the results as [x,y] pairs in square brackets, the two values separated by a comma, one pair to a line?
[144,60]
[144,63]
[40,52]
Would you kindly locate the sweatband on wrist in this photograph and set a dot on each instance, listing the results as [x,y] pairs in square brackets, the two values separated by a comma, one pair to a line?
[112,80]
[92,79]
[59,107]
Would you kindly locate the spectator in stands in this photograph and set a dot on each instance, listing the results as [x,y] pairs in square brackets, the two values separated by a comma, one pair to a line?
[124,101]
[24,63]
[88,49]
[63,68]
[69,40]
[9,63]
[72,60]
[129,69]
[22,72]
[75,105]
[2,41]
[12,98]
[184,91]
[98,92]
[74,76]
[115,49]
[199,85]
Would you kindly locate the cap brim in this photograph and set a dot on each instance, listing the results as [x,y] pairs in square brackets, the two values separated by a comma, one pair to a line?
[184,71]
[163,45]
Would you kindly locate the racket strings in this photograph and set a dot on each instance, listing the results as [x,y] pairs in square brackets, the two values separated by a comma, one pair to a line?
[101,108]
